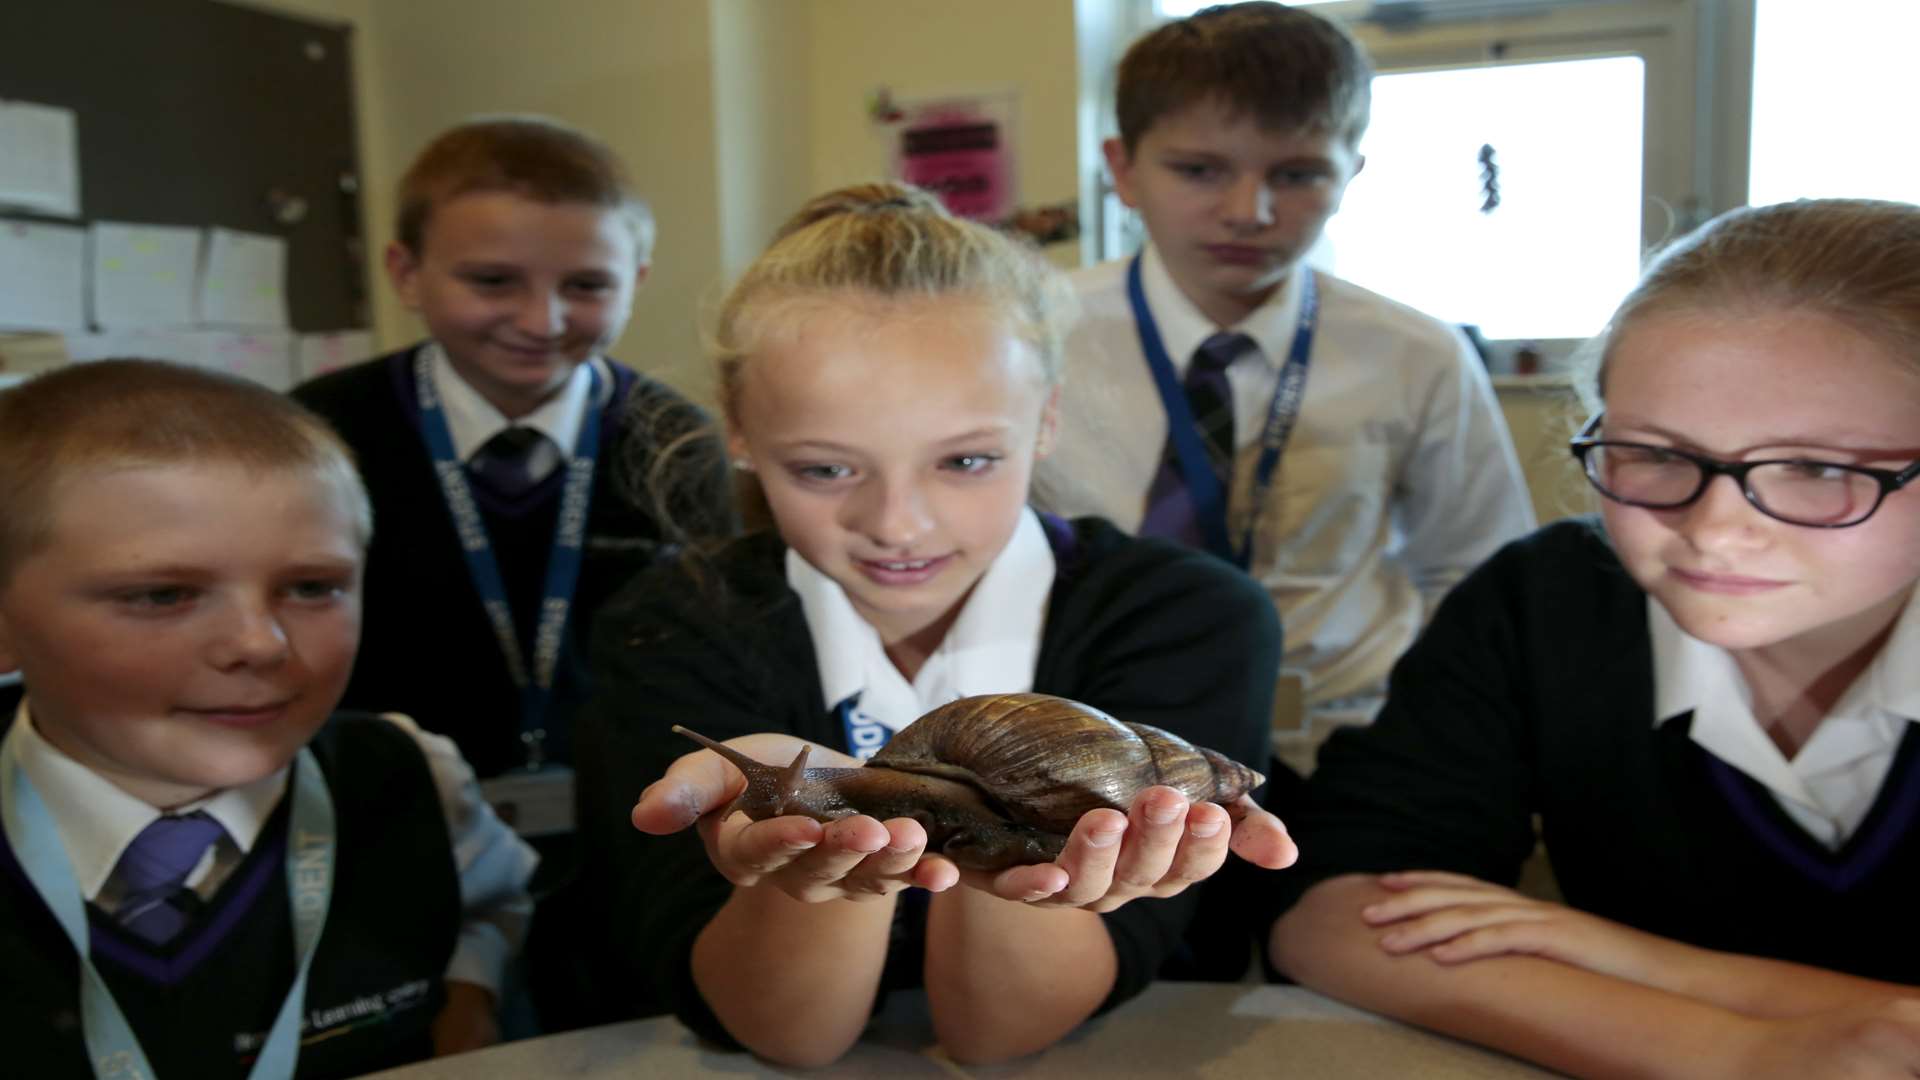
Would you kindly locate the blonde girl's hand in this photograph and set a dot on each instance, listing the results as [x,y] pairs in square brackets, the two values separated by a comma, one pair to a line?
[1162,845]
[1455,919]
[855,858]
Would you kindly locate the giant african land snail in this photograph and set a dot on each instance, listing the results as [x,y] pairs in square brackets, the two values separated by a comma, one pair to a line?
[996,780]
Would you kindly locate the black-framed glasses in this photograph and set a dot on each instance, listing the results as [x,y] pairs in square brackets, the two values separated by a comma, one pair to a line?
[1798,491]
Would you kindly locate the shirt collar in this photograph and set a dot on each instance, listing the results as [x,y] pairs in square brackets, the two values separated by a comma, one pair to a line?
[97,820]
[1690,675]
[992,646]
[1183,327]
[472,419]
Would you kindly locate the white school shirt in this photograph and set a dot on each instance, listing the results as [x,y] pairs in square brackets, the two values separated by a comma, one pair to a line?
[991,648]
[1398,479]
[1830,785]
[472,419]
[96,821]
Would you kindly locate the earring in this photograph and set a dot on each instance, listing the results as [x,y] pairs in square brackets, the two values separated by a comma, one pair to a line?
[742,464]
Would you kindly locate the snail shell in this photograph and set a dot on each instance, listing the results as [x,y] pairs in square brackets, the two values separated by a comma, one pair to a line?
[1048,760]
[997,780]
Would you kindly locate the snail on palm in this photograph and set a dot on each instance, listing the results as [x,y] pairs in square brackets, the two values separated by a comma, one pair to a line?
[996,780]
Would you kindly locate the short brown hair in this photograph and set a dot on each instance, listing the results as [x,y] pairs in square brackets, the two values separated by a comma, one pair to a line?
[532,156]
[1290,69]
[1856,261]
[147,412]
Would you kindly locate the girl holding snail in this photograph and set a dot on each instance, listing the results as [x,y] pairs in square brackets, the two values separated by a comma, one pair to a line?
[1709,699]
[888,374]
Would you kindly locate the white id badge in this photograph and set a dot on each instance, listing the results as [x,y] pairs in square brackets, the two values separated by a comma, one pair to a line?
[533,803]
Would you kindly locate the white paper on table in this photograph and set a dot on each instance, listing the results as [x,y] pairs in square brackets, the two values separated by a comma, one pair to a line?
[265,356]
[143,275]
[43,276]
[175,345]
[243,281]
[331,351]
[39,159]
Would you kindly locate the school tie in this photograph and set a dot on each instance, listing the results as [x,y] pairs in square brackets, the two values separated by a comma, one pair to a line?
[1170,510]
[504,463]
[153,874]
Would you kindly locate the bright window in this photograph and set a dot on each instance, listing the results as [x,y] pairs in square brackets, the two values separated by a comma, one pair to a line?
[1831,82]
[1562,245]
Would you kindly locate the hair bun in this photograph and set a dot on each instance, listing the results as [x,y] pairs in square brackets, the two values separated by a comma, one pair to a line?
[874,197]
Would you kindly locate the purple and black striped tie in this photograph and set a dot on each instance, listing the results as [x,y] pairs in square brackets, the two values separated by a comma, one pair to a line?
[504,463]
[1170,511]
[153,872]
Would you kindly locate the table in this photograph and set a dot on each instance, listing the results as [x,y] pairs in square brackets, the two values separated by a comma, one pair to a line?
[1217,1031]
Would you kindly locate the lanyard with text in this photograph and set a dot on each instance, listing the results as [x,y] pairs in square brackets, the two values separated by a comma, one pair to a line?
[1203,486]
[111,1045]
[865,735]
[563,564]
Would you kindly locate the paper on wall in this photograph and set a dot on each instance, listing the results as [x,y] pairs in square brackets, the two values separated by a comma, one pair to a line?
[321,353]
[243,282]
[43,276]
[27,354]
[143,275]
[265,356]
[175,345]
[39,159]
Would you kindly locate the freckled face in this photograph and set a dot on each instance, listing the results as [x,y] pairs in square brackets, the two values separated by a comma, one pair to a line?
[519,292]
[1232,207]
[1791,384]
[198,647]
[895,441]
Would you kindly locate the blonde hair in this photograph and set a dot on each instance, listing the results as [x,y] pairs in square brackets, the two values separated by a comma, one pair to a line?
[119,413]
[531,156]
[1853,260]
[891,241]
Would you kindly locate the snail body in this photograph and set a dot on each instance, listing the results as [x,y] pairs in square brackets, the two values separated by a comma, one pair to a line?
[996,780]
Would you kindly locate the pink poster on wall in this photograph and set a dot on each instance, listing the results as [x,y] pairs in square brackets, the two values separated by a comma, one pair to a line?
[962,149]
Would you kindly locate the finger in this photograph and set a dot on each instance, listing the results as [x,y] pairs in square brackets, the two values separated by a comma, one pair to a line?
[1027,884]
[905,843]
[1419,901]
[935,873]
[1091,852]
[1202,851]
[694,785]
[1413,879]
[1259,837]
[1155,824]
[1412,935]
[742,847]
[1526,937]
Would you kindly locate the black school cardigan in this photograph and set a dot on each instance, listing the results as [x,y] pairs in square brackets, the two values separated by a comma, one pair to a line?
[1532,693]
[427,648]
[1146,630]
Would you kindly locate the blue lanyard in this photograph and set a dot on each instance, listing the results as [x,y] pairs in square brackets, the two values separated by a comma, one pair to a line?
[111,1045]
[1203,485]
[563,563]
[865,735]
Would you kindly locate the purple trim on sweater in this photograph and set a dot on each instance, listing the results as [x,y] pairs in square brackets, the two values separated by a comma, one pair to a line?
[232,905]
[1861,857]
[1064,542]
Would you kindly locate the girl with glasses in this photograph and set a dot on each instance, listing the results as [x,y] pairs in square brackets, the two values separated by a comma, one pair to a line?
[1707,698]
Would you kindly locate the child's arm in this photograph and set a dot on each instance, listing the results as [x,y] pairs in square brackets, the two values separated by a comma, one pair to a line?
[494,866]
[1572,1019]
[1019,960]
[1462,494]
[1455,919]
[791,962]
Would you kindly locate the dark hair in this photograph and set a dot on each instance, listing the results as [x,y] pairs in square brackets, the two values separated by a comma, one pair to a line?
[533,156]
[1288,68]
